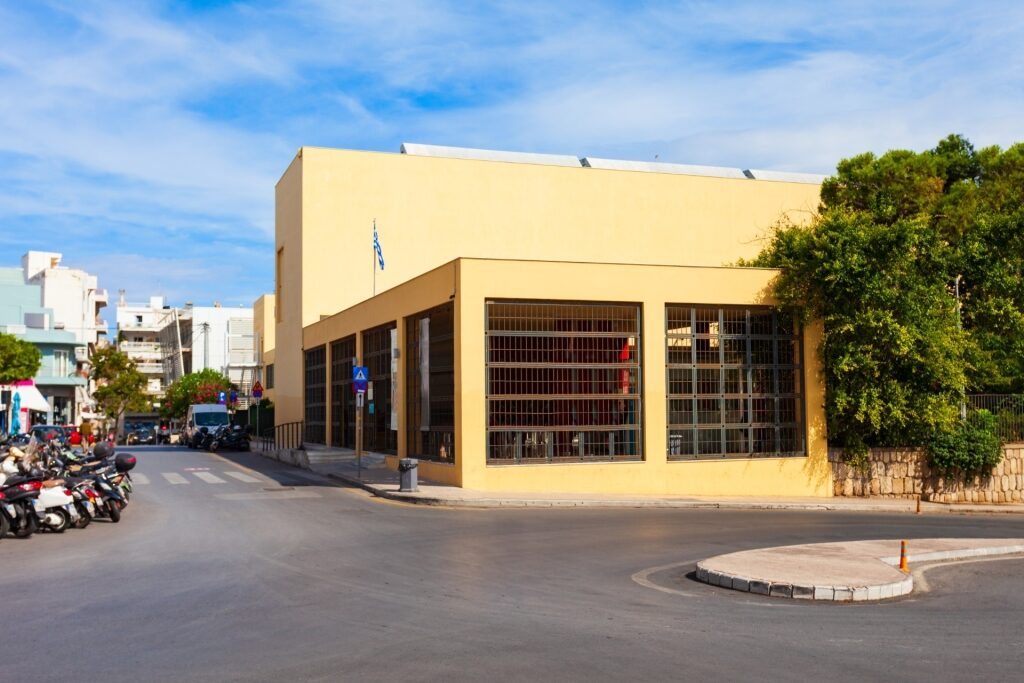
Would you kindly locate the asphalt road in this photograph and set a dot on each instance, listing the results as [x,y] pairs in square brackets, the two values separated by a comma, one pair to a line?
[239,568]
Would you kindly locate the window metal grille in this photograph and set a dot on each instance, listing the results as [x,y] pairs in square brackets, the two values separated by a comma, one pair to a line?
[316,395]
[563,382]
[734,379]
[343,399]
[377,433]
[430,384]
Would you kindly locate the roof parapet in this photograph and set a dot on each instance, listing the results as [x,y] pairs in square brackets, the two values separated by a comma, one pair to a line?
[415,149]
[660,167]
[786,176]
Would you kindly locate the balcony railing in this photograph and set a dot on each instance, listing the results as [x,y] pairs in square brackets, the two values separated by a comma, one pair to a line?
[150,368]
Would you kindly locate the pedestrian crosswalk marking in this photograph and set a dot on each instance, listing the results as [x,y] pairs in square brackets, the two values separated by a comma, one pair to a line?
[174,478]
[209,478]
[242,476]
[140,479]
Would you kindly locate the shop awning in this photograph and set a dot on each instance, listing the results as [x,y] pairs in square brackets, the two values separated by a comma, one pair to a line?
[31,399]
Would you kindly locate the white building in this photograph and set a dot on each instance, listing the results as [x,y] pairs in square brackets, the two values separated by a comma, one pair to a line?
[215,337]
[138,336]
[74,301]
[73,295]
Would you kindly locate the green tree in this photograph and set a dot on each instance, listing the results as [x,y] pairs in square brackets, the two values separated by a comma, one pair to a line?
[120,385]
[196,387]
[19,360]
[896,237]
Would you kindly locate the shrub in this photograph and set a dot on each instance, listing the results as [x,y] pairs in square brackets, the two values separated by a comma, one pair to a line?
[971,448]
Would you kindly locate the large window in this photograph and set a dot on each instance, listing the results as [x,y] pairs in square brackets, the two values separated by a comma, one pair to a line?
[563,382]
[430,384]
[734,383]
[380,423]
[60,363]
[316,395]
[343,399]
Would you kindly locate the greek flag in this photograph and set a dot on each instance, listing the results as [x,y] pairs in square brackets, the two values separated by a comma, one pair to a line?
[376,247]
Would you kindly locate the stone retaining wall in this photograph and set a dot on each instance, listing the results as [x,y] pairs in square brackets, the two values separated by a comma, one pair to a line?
[904,473]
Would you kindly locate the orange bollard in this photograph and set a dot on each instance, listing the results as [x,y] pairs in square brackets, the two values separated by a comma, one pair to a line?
[903,558]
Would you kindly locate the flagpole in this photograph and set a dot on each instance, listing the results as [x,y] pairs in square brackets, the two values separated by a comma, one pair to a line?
[373,254]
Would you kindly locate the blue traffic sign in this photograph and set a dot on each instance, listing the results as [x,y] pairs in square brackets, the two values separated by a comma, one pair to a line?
[222,398]
[360,377]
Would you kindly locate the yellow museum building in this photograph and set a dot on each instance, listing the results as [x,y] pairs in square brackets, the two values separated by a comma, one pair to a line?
[546,323]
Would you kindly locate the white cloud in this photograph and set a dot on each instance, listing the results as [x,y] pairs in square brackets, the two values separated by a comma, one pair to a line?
[161,123]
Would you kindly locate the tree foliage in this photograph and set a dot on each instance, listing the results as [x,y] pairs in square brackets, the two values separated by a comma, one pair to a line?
[895,238]
[19,360]
[120,385]
[969,449]
[196,387]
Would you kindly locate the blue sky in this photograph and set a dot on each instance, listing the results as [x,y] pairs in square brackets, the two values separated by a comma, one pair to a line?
[144,139]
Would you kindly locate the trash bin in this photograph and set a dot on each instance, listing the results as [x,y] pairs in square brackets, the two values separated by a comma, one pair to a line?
[407,473]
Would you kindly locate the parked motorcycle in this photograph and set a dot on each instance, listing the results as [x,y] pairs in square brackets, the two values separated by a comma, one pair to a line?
[230,438]
[49,486]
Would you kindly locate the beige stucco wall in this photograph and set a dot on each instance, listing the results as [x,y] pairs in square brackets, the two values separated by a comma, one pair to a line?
[421,293]
[265,329]
[652,287]
[471,282]
[432,210]
[289,278]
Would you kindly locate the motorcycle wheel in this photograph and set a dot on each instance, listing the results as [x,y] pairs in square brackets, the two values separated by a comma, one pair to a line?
[214,446]
[114,510]
[29,525]
[65,520]
[5,526]
[84,518]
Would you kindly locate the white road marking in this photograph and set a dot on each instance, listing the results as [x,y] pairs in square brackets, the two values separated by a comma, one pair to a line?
[140,479]
[642,577]
[242,476]
[209,478]
[174,478]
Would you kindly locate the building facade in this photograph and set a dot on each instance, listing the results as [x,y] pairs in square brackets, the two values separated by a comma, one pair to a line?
[57,309]
[548,323]
[221,338]
[263,331]
[138,336]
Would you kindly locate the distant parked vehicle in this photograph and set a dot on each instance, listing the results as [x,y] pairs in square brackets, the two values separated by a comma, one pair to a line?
[46,433]
[203,415]
[142,437]
[163,432]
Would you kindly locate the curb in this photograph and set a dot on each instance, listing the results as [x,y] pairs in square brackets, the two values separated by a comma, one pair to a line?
[485,503]
[777,589]
[838,593]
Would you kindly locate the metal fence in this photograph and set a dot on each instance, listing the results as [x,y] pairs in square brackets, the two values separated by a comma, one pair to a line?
[287,435]
[1009,412]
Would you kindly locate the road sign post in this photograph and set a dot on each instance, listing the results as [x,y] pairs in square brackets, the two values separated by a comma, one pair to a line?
[360,378]
[257,393]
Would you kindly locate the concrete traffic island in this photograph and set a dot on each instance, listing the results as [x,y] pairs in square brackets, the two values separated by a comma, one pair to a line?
[841,572]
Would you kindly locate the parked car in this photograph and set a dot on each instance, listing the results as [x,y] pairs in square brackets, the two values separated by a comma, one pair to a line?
[142,436]
[47,432]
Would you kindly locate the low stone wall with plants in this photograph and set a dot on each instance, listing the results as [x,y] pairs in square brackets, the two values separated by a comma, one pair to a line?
[904,473]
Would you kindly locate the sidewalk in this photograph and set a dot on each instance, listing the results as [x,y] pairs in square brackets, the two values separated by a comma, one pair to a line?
[851,571]
[382,482]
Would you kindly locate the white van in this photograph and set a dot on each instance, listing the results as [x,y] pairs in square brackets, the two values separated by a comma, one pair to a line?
[209,415]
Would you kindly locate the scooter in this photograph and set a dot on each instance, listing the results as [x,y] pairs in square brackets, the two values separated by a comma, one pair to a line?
[18,509]
[54,505]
